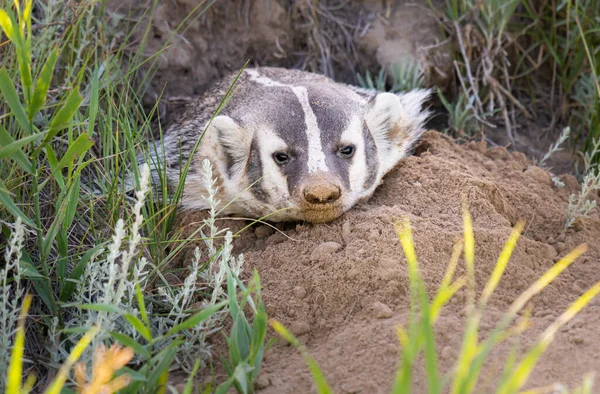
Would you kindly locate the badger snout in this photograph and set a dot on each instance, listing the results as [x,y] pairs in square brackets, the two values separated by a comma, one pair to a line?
[321,193]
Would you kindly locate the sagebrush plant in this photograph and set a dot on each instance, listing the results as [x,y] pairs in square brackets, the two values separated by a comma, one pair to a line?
[93,253]
[418,335]
[12,292]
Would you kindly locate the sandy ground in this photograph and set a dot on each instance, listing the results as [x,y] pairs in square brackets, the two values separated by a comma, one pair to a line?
[342,287]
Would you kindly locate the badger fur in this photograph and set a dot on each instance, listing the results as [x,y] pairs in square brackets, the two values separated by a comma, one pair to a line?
[293,145]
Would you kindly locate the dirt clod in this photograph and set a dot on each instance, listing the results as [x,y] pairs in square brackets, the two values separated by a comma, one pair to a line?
[325,250]
[299,292]
[382,311]
[299,328]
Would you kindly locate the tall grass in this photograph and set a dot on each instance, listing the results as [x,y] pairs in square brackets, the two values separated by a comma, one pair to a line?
[418,335]
[92,251]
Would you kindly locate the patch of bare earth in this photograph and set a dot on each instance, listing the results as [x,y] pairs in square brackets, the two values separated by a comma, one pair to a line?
[342,287]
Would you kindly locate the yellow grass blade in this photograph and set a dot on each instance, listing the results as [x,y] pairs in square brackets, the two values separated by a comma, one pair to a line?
[469,347]
[61,377]
[402,336]
[283,332]
[451,268]
[406,239]
[501,264]
[548,277]
[15,369]
[523,370]
[443,296]
[29,383]
[469,240]
[320,382]
[7,25]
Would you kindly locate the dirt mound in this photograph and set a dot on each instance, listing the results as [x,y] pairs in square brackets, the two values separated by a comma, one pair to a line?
[343,286]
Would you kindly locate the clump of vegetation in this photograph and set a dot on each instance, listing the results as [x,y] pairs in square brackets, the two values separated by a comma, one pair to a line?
[418,336]
[94,254]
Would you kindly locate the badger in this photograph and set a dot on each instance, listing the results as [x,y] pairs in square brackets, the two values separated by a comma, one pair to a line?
[290,145]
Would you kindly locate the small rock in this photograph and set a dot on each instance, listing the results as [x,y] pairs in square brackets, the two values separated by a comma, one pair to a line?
[560,247]
[539,174]
[497,152]
[263,381]
[299,328]
[263,232]
[561,237]
[373,235]
[480,146]
[446,352]
[551,241]
[299,292]
[381,310]
[353,273]
[549,252]
[324,250]
[520,158]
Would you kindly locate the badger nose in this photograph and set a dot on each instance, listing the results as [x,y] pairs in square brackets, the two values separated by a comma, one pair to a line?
[322,193]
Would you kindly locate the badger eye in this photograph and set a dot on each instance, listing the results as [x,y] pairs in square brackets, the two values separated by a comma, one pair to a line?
[346,151]
[281,157]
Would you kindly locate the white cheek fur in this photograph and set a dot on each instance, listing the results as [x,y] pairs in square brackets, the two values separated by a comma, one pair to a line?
[273,181]
[357,170]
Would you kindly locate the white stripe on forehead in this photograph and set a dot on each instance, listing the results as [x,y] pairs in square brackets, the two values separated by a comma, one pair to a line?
[316,157]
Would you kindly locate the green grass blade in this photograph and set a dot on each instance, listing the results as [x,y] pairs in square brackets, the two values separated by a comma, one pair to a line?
[127,341]
[43,84]
[139,326]
[141,304]
[197,318]
[100,308]
[10,95]
[70,284]
[81,145]
[11,149]
[190,382]
[63,117]
[10,205]
[18,156]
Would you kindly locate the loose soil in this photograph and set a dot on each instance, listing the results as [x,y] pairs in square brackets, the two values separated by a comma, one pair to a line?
[342,287]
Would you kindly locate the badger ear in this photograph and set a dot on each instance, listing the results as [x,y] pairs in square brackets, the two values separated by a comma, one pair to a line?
[234,142]
[396,121]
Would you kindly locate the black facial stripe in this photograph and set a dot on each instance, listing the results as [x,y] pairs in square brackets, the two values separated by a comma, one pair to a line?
[332,111]
[372,161]
[254,171]
[229,158]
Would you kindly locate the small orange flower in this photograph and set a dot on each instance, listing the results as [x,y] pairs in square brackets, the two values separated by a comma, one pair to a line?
[106,363]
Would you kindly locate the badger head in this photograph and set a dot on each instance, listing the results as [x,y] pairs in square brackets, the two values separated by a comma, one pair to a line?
[308,150]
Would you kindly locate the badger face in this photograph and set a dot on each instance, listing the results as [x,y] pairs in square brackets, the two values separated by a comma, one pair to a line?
[296,146]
